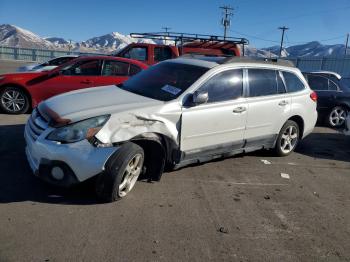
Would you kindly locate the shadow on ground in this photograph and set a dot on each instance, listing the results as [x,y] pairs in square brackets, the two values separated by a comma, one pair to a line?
[18,184]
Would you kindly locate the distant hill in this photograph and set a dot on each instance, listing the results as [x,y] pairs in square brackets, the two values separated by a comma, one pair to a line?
[15,36]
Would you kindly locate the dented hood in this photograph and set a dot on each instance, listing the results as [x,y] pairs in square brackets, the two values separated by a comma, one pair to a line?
[90,102]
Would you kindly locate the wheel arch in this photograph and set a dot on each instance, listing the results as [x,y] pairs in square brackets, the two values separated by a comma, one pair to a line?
[160,152]
[301,124]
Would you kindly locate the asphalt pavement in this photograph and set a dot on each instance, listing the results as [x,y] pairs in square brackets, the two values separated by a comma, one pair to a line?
[235,209]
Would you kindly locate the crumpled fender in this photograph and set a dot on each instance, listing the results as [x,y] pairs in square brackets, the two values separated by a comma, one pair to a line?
[125,127]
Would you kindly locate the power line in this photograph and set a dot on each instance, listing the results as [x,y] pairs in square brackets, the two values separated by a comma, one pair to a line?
[289,42]
[226,21]
[283,28]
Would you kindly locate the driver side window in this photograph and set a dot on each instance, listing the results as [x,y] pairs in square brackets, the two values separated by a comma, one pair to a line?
[83,68]
[224,86]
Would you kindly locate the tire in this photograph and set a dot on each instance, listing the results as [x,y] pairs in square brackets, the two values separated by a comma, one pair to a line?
[287,139]
[121,173]
[337,116]
[14,100]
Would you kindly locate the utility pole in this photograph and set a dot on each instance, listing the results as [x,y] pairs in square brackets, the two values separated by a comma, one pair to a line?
[283,28]
[166,28]
[226,21]
[347,42]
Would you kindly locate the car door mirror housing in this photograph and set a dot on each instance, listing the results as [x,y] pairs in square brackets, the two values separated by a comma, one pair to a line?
[200,98]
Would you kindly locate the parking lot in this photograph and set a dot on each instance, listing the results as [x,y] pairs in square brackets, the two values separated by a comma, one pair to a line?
[236,209]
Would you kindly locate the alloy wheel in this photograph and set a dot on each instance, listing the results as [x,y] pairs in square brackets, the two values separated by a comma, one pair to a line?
[289,139]
[337,116]
[13,100]
[131,173]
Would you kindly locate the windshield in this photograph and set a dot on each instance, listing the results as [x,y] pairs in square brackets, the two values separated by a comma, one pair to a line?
[164,81]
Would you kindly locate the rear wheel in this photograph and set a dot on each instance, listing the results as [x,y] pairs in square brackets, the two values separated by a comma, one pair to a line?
[287,139]
[14,100]
[121,173]
[337,116]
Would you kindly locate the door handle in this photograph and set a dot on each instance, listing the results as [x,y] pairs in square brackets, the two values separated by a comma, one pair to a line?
[86,82]
[283,103]
[239,109]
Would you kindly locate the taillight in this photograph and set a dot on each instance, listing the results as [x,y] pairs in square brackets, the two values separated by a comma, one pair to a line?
[313,96]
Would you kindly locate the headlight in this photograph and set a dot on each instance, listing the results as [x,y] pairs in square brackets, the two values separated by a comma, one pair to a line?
[78,131]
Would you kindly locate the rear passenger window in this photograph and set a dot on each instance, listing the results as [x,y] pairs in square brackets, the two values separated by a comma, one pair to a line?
[134,70]
[332,86]
[262,82]
[293,82]
[224,86]
[115,68]
[162,53]
[281,89]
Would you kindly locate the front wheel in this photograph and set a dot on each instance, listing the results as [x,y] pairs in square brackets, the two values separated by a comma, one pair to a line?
[121,173]
[14,100]
[287,139]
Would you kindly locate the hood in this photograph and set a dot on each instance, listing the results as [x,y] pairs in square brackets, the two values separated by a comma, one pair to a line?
[90,102]
[22,75]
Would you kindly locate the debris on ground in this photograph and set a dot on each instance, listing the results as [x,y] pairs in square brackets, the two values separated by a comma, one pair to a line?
[316,194]
[266,162]
[223,230]
[267,197]
[292,163]
[284,175]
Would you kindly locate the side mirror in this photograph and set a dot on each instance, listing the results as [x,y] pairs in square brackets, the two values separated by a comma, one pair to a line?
[200,97]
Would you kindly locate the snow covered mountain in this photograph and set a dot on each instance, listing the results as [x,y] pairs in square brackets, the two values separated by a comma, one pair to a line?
[11,35]
[15,36]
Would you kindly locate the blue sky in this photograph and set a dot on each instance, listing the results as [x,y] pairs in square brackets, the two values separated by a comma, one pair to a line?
[327,20]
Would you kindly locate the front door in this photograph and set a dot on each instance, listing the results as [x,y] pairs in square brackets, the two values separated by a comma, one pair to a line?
[82,74]
[219,124]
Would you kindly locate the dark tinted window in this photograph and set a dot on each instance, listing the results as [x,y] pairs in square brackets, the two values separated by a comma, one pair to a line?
[318,83]
[134,70]
[262,82]
[164,81]
[162,53]
[280,85]
[60,61]
[86,68]
[115,68]
[137,53]
[293,82]
[332,86]
[224,86]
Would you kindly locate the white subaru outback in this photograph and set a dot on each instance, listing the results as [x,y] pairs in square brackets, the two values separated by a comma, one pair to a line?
[177,112]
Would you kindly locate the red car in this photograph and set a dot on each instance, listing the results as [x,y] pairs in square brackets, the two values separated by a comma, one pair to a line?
[20,92]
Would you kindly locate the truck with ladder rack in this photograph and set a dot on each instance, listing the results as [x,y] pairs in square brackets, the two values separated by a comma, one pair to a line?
[177,44]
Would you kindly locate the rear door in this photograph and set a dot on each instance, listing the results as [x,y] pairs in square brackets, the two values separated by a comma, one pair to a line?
[326,91]
[114,72]
[218,124]
[269,106]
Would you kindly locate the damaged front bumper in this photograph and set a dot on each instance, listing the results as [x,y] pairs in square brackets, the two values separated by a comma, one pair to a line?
[64,164]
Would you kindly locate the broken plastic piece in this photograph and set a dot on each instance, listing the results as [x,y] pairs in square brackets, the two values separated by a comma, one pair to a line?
[284,175]
[266,162]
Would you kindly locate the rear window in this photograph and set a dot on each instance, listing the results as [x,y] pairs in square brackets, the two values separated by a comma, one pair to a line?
[293,82]
[165,81]
[262,82]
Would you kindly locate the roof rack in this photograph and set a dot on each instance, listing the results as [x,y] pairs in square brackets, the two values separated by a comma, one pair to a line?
[245,59]
[209,40]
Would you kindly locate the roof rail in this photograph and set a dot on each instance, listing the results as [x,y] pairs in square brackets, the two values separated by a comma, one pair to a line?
[188,37]
[245,59]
